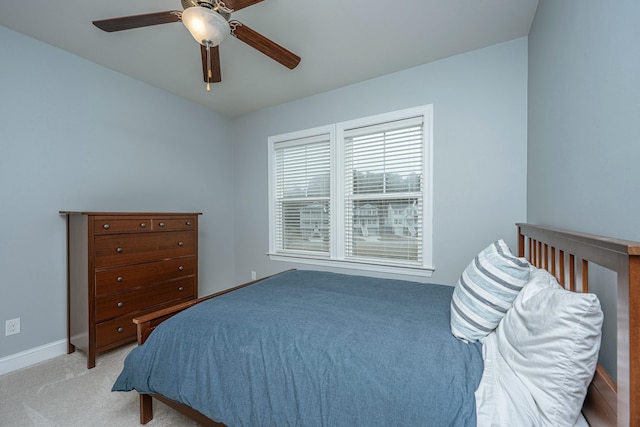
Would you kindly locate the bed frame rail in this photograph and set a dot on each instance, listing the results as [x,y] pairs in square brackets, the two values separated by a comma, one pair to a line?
[145,325]
[567,256]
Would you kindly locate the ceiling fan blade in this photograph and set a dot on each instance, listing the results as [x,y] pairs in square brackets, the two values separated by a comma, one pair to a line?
[137,21]
[214,55]
[264,45]
[240,4]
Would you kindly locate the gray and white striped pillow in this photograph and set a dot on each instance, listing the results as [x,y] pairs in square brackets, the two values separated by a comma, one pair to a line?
[486,290]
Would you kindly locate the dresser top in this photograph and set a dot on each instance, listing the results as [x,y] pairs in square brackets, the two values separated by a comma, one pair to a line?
[128,213]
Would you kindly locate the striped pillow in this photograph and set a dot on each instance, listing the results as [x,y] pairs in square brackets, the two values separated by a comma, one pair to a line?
[486,290]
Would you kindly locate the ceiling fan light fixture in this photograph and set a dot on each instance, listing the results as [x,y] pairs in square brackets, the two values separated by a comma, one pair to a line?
[205,25]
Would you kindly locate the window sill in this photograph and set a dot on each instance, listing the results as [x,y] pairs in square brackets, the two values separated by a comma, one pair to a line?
[395,269]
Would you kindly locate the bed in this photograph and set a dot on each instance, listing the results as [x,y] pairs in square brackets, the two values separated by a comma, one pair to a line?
[318,348]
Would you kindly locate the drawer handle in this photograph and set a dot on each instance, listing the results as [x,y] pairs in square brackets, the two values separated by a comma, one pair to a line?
[161,224]
[119,250]
[143,225]
[181,289]
[120,304]
[120,330]
[120,279]
[180,244]
[106,226]
[189,223]
[180,268]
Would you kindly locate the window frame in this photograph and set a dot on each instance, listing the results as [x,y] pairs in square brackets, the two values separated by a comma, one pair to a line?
[336,257]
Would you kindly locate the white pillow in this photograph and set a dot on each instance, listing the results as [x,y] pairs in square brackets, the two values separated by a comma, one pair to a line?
[550,339]
[502,399]
[486,290]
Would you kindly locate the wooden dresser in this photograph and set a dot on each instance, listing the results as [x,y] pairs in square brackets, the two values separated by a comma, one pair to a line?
[122,265]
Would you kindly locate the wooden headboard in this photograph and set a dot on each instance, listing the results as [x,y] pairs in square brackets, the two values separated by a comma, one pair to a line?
[567,256]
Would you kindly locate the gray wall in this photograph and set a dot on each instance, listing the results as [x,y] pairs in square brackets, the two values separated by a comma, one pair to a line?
[76,136]
[584,116]
[480,131]
[584,127]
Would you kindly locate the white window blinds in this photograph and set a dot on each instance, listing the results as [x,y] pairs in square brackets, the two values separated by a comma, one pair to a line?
[355,194]
[302,170]
[383,187]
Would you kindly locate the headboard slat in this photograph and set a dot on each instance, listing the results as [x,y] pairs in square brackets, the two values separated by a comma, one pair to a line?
[562,270]
[585,276]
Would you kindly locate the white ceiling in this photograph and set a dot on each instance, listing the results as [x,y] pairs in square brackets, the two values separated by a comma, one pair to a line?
[340,42]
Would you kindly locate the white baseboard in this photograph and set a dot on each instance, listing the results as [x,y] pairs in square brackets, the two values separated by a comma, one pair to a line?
[32,356]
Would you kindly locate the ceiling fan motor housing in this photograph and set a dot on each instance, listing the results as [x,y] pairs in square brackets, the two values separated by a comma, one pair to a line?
[215,5]
[211,4]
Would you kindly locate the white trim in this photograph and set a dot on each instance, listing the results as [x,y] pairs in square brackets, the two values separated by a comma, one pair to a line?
[26,358]
[427,198]
[327,131]
[407,115]
[407,271]
[425,115]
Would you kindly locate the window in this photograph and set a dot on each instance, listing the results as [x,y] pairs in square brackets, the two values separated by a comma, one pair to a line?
[355,194]
[302,178]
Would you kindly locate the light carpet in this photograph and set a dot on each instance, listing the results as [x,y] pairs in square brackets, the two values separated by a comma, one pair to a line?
[63,392]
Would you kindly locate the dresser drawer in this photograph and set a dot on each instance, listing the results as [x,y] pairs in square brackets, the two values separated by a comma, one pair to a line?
[121,249]
[172,223]
[117,331]
[110,225]
[126,302]
[132,276]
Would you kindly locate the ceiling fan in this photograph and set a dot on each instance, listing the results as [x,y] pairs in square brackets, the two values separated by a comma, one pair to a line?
[209,23]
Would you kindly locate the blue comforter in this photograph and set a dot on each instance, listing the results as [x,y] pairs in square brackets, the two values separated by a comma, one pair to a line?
[309,348]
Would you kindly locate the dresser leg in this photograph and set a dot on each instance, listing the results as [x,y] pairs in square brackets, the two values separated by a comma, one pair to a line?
[91,359]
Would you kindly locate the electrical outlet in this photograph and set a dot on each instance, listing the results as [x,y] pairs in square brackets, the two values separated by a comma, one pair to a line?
[12,326]
[253,275]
